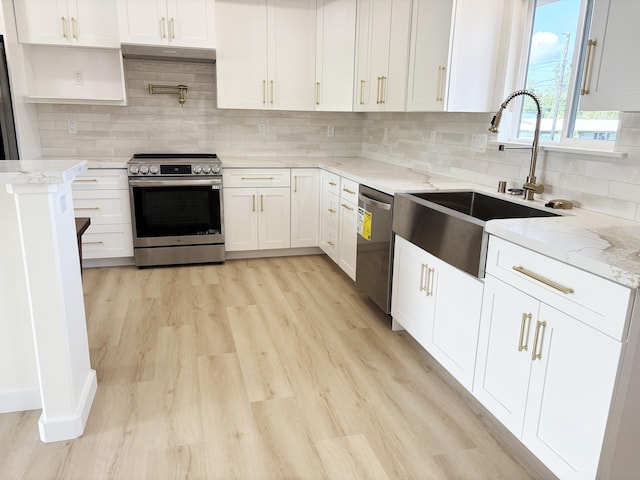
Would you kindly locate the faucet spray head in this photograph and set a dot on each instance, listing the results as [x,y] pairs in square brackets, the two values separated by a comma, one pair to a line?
[495,122]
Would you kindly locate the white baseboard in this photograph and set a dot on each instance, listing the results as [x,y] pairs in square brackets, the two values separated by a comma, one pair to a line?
[68,428]
[284,252]
[20,400]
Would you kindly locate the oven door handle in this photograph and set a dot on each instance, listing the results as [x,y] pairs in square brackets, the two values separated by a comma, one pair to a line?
[182,182]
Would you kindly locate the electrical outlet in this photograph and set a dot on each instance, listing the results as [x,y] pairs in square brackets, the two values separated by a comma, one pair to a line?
[262,129]
[78,77]
[385,134]
[434,137]
[479,142]
[330,131]
[73,126]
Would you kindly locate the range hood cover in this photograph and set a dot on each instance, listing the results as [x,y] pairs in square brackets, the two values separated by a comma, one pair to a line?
[173,54]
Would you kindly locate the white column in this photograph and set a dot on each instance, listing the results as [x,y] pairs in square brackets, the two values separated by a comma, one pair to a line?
[56,307]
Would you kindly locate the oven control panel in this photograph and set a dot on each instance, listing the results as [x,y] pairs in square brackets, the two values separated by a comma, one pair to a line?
[180,169]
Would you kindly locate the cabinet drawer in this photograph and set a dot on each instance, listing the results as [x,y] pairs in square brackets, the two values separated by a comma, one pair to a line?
[349,191]
[102,206]
[256,177]
[106,241]
[101,178]
[598,302]
[330,183]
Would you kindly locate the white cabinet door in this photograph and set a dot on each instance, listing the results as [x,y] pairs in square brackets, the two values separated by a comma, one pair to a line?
[183,23]
[411,303]
[429,54]
[291,53]
[613,81]
[348,238]
[504,352]
[572,381]
[335,54]
[240,219]
[383,28]
[274,214]
[305,207]
[456,320]
[241,62]
[89,23]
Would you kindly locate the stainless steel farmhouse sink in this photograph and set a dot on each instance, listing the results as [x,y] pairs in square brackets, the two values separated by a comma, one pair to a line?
[450,224]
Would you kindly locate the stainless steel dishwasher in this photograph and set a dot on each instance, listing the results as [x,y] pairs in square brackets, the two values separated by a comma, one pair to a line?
[374,261]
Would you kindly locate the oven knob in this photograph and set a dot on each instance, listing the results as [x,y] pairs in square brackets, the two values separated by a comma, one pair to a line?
[154,169]
[216,169]
[206,169]
[197,169]
[144,169]
[134,169]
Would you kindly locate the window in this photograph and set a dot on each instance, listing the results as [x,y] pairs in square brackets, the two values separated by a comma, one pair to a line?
[553,73]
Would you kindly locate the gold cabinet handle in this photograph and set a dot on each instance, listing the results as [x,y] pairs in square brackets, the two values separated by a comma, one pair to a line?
[74,27]
[99,242]
[65,32]
[346,206]
[383,87]
[264,92]
[378,101]
[526,323]
[331,210]
[86,208]
[441,83]
[545,281]
[330,243]
[253,203]
[590,46]
[295,184]
[164,27]
[423,267]
[256,178]
[85,180]
[262,203]
[362,92]
[271,85]
[172,27]
[333,184]
[317,93]
[430,272]
[537,342]
[348,191]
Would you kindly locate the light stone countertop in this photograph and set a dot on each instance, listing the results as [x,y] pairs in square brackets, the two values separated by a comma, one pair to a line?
[47,172]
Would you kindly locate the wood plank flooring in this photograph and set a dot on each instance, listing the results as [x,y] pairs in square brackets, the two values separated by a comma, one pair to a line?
[254,369]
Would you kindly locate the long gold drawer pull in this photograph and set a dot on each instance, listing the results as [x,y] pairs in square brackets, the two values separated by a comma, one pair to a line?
[271,84]
[253,203]
[524,346]
[317,93]
[164,28]
[264,91]
[430,272]
[383,89]
[546,281]
[584,90]
[295,184]
[362,92]
[346,206]
[256,178]
[86,208]
[85,180]
[100,242]
[537,342]
[351,192]
[422,285]
[65,32]
[262,203]
[173,27]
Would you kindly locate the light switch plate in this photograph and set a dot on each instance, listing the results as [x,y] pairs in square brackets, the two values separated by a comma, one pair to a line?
[478,142]
[330,131]
[434,136]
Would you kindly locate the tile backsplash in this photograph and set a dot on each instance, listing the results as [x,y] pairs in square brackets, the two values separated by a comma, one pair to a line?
[157,123]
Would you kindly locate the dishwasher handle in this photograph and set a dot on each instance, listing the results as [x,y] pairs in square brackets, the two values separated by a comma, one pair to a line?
[377,203]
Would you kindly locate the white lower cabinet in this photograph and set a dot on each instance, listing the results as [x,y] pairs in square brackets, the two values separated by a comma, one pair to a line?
[439,306]
[547,375]
[257,209]
[103,196]
[305,207]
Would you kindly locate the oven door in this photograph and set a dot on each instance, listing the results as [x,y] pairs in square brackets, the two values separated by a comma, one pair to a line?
[176,211]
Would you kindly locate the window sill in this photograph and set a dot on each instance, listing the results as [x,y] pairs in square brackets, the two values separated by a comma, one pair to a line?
[565,149]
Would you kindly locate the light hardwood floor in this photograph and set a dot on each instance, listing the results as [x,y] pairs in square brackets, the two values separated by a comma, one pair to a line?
[254,369]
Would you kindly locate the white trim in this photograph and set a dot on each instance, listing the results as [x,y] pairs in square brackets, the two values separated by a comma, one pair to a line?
[68,428]
[20,400]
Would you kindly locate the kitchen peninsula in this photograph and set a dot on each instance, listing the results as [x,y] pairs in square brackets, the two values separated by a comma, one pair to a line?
[44,354]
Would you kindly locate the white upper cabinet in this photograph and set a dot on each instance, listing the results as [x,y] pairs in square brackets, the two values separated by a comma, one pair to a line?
[382,48]
[179,23]
[612,80]
[335,54]
[266,54]
[88,23]
[455,55]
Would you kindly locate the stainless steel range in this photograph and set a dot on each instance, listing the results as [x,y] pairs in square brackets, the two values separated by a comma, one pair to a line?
[176,208]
